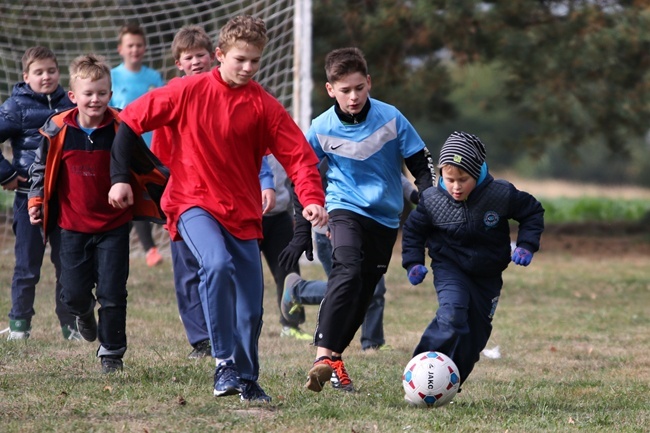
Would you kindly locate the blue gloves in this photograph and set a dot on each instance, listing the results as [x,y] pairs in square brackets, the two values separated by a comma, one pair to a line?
[522,256]
[417,273]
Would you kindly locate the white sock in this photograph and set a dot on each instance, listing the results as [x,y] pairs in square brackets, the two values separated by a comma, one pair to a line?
[223,361]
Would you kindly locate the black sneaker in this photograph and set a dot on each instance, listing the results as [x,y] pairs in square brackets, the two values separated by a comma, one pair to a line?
[202,349]
[111,364]
[226,380]
[340,378]
[253,392]
[87,326]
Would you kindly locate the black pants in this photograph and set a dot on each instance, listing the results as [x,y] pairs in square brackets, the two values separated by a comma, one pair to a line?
[143,229]
[362,249]
[98,261]
[278,232]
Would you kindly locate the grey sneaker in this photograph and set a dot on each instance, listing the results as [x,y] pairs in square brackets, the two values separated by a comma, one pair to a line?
[295,332]
[226,380]
[253,392]
[87,326]
[111,364]
[202,349]
[291,309]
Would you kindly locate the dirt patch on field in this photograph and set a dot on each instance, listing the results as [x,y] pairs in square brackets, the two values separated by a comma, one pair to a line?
[598,239]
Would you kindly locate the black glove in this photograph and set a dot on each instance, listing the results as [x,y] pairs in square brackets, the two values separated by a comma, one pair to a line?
[300,243]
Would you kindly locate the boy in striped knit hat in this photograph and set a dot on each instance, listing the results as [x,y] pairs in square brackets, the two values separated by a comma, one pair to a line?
[464,223]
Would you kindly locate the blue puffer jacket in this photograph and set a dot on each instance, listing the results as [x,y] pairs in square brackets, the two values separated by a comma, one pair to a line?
[21,115]
[474,234]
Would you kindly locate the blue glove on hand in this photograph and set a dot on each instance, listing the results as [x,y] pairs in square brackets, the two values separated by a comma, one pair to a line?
[417,273]
[522,256]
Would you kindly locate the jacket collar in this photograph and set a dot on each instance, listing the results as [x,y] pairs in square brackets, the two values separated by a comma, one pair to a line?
[352,118]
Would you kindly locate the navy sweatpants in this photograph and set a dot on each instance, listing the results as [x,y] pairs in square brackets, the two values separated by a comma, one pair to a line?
[463,322]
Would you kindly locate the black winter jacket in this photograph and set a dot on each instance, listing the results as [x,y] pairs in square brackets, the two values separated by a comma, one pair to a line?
[473,234]
[21,115]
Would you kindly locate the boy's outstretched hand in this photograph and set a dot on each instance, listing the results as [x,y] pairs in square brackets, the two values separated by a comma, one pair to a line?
[416,274]
[120,195]
[522,256]
[315,214]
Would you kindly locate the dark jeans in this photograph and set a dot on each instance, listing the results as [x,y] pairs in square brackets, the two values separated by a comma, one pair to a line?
[278,232]
[98,261]
[29,251]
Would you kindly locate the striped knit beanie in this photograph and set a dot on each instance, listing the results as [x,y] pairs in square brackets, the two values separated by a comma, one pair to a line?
[465,151]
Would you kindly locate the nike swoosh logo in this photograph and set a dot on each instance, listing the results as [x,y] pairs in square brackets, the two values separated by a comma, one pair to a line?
[362,149]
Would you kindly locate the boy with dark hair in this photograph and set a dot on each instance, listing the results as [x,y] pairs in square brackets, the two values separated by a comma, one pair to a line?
[213,196]
[298,292]
[71,180]
[31,103]
[464,224]
[132,79]
[365,142]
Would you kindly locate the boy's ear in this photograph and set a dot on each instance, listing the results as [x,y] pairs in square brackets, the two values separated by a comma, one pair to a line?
[178,64]
[71,96]
[330,90]
[219,55]
[25,74]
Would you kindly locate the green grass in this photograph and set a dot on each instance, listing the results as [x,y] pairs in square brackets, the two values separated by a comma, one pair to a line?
[593,209]
[573,335]
[6,201]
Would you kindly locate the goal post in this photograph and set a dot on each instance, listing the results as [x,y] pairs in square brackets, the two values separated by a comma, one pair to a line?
[74,27]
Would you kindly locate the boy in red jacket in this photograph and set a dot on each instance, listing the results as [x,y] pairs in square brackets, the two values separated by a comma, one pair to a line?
[71,180]
[223,123]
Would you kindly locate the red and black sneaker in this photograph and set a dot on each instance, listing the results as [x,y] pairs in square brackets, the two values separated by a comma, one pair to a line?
[340,378]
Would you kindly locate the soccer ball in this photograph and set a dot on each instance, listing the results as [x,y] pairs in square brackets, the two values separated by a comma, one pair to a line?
[430,379]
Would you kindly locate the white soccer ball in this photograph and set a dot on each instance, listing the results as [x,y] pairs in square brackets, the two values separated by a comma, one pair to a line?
[430,379]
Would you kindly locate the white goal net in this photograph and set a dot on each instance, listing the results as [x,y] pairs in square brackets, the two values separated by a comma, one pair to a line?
[74,27]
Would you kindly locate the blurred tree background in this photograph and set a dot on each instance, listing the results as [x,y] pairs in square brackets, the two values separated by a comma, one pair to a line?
[554,88]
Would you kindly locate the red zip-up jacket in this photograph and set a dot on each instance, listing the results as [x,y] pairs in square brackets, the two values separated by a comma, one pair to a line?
[61,134]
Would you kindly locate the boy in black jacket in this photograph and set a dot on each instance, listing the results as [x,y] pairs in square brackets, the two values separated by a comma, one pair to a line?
[463,221]
[31,102]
